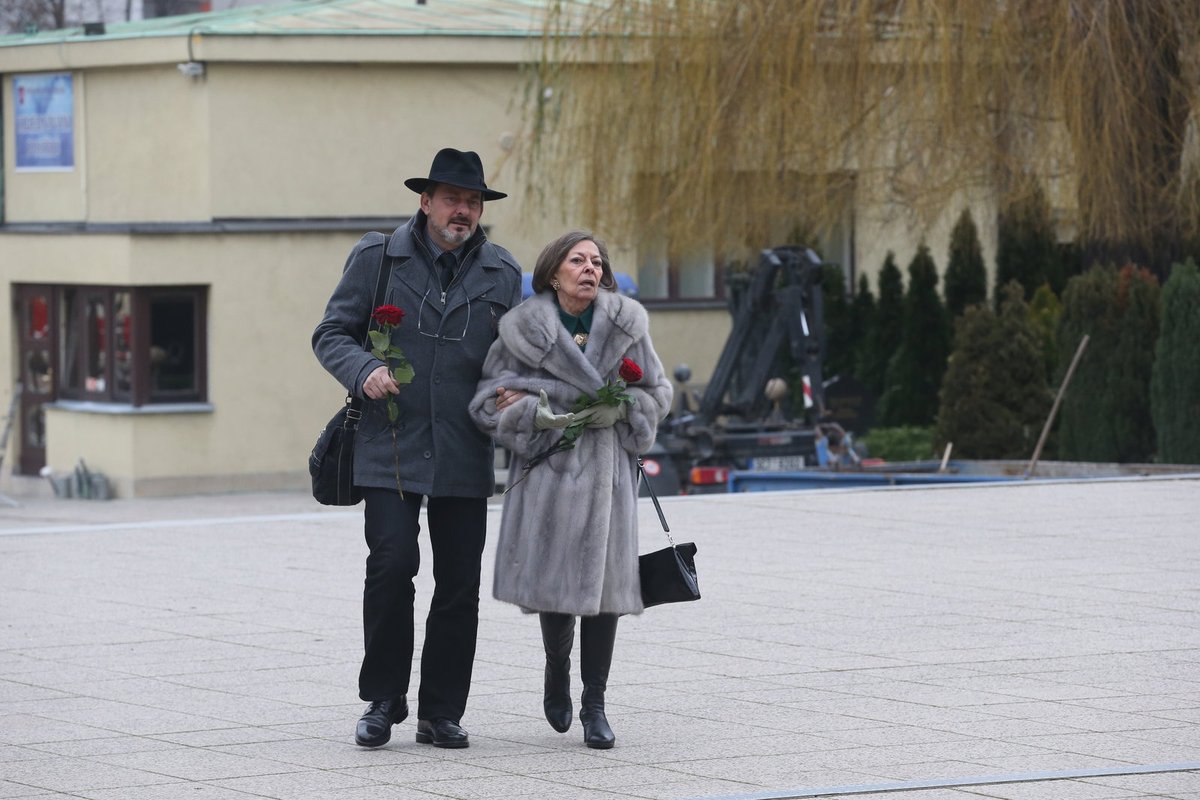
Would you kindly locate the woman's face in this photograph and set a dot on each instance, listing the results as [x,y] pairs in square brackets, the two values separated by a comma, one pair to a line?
[578,277]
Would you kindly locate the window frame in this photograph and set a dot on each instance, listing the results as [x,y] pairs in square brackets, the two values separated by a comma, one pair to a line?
[73,320]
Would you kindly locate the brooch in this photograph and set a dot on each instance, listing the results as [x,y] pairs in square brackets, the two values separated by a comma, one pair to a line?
[580,339]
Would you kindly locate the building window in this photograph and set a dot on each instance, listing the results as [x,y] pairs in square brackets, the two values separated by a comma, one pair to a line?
[683,273]
[689,275]
[137,345]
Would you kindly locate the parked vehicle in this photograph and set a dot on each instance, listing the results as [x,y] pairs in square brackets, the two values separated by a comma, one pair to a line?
[748,417]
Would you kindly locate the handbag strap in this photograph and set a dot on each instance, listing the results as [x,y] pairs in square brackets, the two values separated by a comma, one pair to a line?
[381,284]
[661,517]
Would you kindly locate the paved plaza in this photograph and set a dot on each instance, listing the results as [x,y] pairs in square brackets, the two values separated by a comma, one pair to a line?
[1035,641]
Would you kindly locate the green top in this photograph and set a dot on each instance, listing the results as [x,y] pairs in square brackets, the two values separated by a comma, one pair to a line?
[579,327]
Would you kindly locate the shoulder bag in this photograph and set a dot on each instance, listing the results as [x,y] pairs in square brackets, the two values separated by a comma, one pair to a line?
[667,575]
[331,462]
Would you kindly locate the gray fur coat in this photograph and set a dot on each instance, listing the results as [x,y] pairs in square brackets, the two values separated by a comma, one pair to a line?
[568,534]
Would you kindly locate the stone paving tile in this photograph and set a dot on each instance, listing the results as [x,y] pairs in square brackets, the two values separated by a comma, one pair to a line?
[173,791]
[109,745]
[1159,783]
[506,786]
[11,791]
[215,737]
[195,764]
[307,784]
[31,729]
[318,754]
[75,775]
[1065,790]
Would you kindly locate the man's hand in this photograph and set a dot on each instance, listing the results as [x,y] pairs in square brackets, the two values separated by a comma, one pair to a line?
[602,416]
[380,383]
[545,418]
[506,397]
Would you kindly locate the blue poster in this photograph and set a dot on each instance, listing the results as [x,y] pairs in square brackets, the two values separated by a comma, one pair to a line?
[45,121]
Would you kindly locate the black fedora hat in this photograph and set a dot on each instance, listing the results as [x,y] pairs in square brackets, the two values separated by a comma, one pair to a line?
[456,168]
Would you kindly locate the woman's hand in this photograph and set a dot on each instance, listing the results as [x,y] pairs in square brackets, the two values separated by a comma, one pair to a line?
[602,416]
[545,418]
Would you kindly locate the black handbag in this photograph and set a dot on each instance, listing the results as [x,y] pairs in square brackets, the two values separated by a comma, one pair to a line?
[667,575]
[331,462]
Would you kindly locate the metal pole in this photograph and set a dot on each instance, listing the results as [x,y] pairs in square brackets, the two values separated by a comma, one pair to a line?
[1037,451]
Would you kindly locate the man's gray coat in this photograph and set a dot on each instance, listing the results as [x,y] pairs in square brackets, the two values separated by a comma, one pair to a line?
[440,450]
[568,534]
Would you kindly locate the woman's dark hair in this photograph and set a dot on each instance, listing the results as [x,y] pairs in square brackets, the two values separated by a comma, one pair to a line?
[555,253]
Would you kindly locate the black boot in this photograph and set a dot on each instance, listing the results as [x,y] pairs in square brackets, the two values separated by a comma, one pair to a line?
[596,638]
[558,634]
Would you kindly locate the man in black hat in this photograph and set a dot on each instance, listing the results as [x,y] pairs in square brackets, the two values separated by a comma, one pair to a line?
[453,285]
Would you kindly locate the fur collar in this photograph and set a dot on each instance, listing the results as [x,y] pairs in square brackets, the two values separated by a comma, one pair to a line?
[535,335]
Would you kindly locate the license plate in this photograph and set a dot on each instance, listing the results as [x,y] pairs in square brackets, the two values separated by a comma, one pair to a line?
[777,463]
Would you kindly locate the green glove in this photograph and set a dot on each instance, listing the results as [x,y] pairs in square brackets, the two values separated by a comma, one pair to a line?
[544,418]
[602,416]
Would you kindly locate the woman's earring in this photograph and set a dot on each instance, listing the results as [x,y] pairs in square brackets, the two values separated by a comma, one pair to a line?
[555,285]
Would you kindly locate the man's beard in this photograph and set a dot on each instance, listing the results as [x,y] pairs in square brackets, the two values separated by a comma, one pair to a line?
[454,237]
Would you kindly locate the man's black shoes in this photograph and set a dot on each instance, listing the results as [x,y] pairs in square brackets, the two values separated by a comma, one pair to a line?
[375,727]
[441,733]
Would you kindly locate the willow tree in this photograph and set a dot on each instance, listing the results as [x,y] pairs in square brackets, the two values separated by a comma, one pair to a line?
[722,125]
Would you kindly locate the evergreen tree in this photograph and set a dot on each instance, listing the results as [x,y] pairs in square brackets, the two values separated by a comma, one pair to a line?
[1106,409]
[884,333]
[914,374]
[839,344]
[966,276]
[1175,385]
[1139,303]
[994,397]
[862,318]
[1026,246]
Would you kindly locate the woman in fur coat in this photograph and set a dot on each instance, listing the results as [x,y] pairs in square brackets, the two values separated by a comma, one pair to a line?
[568,541]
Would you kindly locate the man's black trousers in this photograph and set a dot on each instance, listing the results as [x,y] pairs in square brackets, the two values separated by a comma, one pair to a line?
[457,528]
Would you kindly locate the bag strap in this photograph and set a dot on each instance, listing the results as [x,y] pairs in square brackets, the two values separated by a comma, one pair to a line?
[661,517]
[381,284]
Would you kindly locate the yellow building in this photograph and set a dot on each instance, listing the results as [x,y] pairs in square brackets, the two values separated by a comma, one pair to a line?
[179,196]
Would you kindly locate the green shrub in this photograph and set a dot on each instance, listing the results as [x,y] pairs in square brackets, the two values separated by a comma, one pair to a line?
[905,443]
[1175,384]
[994,398]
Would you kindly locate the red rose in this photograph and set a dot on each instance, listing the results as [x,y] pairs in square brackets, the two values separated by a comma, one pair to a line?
[388,315]
[630,372]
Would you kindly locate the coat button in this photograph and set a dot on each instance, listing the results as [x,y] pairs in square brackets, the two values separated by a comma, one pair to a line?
[437,378]
[428,454]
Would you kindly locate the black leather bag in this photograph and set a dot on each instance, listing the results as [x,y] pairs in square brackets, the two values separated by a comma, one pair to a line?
[667,575]
[331,462]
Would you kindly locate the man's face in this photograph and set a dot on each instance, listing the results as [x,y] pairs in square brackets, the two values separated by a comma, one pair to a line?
[453,214]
